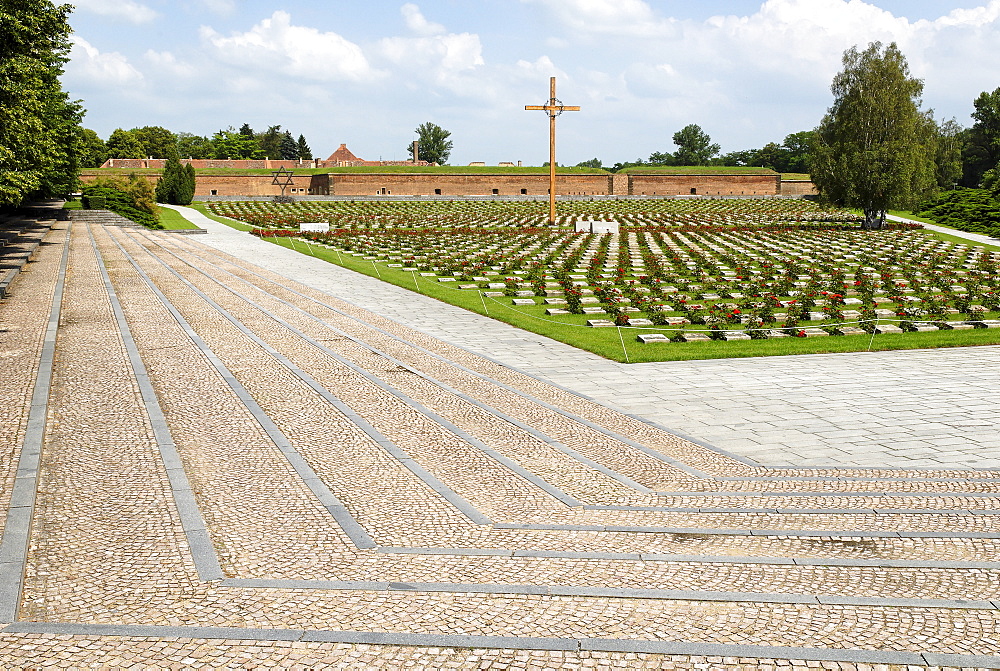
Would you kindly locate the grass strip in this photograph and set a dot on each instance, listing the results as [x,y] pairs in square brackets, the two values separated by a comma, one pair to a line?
[172,220]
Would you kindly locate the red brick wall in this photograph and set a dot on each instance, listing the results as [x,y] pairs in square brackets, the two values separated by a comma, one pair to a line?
[704,185]
[450,184]
[237,185]
[798,187]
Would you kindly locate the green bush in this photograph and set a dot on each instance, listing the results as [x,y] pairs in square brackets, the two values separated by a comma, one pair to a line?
[973,210]
[176,185]
[118,201]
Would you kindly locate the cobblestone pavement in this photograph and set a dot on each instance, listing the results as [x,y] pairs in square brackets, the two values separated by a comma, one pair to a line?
[210,463]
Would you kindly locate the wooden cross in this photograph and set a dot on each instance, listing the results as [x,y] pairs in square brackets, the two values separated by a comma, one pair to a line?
[553,109]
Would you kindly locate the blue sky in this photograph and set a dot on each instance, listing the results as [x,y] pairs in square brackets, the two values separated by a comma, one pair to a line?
[366,73]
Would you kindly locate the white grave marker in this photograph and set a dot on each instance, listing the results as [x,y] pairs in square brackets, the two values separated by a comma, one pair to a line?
[314,227]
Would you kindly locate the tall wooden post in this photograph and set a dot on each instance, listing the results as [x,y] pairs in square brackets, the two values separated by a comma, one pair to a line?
[554,108]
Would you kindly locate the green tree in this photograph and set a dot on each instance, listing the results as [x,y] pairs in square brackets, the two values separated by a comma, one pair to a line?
[737,158]
[797,147]
[40,132]
[772,155]
[694,146]
[133,198]
[190,145]
[983,150]
[92,149]
[228,144]
[304,152]
[592,163]
[270,142]
[661,158]
[289,148]
[873,149]
[185,194]
[175,186]
[950,141]
[156,141]
[124,144]
[435,147]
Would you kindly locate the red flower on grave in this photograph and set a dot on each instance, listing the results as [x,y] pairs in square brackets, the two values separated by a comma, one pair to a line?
[800,334]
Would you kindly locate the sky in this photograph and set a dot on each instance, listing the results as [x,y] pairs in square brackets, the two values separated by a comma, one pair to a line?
[368,72]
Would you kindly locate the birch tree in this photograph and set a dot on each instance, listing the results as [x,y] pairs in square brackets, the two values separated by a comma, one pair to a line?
[875,148]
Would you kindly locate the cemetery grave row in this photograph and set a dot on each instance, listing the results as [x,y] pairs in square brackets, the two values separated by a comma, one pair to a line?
[761,274]
[526,214]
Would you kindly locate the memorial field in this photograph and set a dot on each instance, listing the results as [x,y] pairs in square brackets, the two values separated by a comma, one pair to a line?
[726,277]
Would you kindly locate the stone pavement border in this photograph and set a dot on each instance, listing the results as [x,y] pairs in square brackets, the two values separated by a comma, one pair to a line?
[202,551]
[512,642]
[17,529]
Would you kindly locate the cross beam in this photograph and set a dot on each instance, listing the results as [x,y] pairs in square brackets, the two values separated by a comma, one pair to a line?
[554,108]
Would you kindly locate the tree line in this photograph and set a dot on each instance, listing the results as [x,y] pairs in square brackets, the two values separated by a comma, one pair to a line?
[158,142]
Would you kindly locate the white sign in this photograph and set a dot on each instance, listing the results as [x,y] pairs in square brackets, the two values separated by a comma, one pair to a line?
[589,226]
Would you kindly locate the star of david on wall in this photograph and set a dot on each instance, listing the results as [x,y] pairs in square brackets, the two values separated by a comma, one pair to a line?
[282,178]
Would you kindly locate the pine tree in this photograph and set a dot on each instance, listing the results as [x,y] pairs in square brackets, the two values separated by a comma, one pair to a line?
[186,194]
[170,184]
[304,152]
[288,147]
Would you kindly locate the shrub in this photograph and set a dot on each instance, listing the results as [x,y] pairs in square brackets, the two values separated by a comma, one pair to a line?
[176,186]
[132,199]
[973,210]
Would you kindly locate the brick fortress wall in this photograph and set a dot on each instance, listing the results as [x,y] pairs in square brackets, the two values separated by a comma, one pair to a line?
[480,184]
[456,184]
[642,184]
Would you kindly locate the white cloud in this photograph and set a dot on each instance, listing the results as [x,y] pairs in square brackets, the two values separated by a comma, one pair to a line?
[220,7]
[127,10]
[609,17]
[274,45]
[442,53]
[416,22]
[110,70]
[168,64]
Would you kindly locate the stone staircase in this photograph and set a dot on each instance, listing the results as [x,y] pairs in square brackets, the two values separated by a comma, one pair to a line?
[102,217]
[109,218]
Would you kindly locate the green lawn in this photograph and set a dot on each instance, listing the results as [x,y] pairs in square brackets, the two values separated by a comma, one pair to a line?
[172,220]
[621,345]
